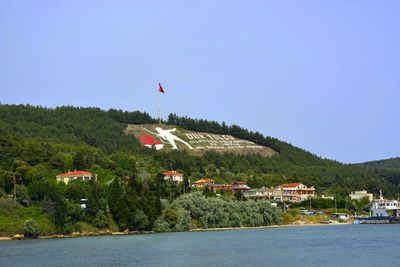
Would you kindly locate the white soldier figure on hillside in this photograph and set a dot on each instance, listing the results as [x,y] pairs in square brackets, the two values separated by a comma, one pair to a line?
[167,135]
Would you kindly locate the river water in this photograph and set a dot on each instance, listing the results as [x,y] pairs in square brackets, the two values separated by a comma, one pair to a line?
[338,245]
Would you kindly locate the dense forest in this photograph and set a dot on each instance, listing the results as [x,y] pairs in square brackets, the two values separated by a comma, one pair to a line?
[387,164]
[37,143]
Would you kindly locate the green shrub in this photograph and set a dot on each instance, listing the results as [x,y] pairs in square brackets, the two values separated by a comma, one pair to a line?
[161,225]
[101,220]
[31,229]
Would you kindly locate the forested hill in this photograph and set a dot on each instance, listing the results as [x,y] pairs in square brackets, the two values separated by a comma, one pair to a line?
[50,141]
[386,164]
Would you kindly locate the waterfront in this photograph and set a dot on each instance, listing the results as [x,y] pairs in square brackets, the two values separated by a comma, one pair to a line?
[346,245]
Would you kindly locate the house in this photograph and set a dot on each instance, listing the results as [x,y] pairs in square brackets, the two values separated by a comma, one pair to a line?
[294,192]
[262,192]
[235,187]
[240,187]
[202,183]
[358,195]
[220,187]
[76,175]
[173,176]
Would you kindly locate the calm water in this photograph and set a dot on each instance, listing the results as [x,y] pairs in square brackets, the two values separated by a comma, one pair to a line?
[342,245]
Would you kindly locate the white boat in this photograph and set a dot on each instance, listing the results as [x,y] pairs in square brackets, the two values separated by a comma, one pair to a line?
[383,211]
[385,207]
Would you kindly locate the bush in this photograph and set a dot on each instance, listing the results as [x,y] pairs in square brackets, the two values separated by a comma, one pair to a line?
[216,212]
[161,225]
[2,192]
[23,195]
[31,229]
[101,220]
[173,220]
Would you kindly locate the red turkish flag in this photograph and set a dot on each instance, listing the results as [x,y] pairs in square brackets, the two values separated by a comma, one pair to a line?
[161,89]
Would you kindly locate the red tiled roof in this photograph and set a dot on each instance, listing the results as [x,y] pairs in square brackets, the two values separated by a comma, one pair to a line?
[221,186]
[289,185]
[169,173]
[75,173]
[203,181]
[240,187]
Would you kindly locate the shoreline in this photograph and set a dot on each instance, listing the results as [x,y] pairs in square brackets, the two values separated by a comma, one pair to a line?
[112,233]
[265,227]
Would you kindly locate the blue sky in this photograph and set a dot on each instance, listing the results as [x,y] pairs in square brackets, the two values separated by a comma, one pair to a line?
[322,75]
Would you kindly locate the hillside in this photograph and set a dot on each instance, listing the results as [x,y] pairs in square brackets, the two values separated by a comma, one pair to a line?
[170,137]
[129,152]
[52,141]
[386,164]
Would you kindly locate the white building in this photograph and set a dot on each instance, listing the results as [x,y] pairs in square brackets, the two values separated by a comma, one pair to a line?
[358,195]
[173,176]
[327,197]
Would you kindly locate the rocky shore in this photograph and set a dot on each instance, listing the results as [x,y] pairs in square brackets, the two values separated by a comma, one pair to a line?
[109,232]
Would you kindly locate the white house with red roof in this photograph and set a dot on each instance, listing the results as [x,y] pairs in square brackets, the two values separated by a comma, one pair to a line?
[76,175]
[293,192]
[173,176]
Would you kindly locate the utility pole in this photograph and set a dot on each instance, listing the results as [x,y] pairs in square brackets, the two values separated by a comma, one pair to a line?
[335,204]
[158,104]
[15,189]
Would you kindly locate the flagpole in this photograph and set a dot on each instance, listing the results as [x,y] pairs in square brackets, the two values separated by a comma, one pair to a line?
[159,110]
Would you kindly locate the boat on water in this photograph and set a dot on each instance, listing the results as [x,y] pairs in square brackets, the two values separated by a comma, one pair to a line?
[383,211]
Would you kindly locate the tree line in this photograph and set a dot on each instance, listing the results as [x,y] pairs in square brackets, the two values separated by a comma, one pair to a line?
[37,143]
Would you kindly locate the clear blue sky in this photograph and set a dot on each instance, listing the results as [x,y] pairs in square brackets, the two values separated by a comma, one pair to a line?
[322,75]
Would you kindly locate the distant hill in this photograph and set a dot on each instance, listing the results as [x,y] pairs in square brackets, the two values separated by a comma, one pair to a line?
[388,164]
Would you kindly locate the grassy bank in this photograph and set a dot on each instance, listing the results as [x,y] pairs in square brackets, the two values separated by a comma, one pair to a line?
[12,219]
